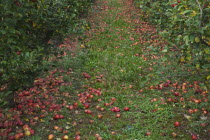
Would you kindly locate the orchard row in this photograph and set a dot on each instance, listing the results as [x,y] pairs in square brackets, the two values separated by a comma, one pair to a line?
[30,30]
[185,25]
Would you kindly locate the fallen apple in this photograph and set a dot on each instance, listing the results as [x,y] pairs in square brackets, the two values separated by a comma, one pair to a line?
[126,108]
[50,136]
[194,137]
[27,133]
[65,137]
[177,124]
[118,115]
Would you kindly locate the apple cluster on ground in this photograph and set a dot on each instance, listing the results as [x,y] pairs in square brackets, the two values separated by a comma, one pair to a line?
[45,102]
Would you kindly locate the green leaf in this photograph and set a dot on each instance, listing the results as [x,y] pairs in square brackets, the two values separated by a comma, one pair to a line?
[73,15]
[192,38]
[187,11]
[189,57]
[180,7]
[164,59]
[3,32]
[4,62]
[27,54]
[35,137]
[165,50]
[186,39]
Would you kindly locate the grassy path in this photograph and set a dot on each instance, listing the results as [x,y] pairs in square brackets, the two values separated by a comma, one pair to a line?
[118,86]
[118,52]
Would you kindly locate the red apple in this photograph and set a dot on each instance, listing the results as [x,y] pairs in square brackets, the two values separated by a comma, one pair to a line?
[177,94]
[106,104]
[126,108]
[170,99]
[77,133]
[75,104]
[56,117]
[97,107]
[113,99]
[177,124]
[61,116]
[194,137]
[97,135]
[71,107]
[77,137]
[148,134]
[86,105]
[203,124]
[118,115]
[99,138]
[168,81]
[113,132]
[25,127]
[196,110]
[181,99]
[74,123]
[100,116]
[56,127]
[64,131]
[166,85]
[205,112]
[91,121]
[88,111]
[116,109]
[11,137]
[17,136]
[21,135]
[197,101]
[31,131]
[191,111]
[174,134]
[101,109]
